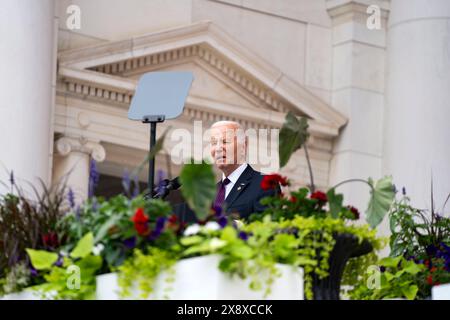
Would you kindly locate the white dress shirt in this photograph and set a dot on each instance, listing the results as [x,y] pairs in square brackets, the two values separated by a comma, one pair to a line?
[233,177]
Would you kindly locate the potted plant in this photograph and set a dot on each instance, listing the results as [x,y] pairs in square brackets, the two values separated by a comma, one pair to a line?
[420,254]
[26,223]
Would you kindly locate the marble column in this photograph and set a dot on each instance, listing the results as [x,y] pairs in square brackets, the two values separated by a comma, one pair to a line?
[358,92]
[417,119]
[72,161]
[28,33]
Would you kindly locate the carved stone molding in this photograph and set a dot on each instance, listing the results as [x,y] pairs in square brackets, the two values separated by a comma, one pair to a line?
[66,145]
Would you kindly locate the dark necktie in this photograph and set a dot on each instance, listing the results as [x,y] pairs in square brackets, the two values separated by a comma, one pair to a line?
[220,197]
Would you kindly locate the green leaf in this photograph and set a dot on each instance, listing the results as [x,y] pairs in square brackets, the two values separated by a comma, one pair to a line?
[198,187]
[335,202]
[41,259]
[380,202]
[102,232]
[390,262]
[241,251]
[90,264]
[293,135]
[189,241]
[84,246]
[410,291]
[412,268]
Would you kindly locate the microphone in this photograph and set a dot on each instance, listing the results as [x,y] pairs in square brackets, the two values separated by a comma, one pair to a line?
[168,186]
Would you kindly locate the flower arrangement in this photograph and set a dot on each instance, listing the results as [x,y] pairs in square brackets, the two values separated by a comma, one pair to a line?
[140,238]
[420,253]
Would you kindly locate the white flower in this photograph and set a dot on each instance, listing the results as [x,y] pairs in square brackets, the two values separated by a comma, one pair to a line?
[212,226]
[239,224]
[191,230]
[98,249]
[216,243]
[63,253]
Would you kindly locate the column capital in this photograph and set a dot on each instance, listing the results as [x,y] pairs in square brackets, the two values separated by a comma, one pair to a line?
[66,145]
[342,11]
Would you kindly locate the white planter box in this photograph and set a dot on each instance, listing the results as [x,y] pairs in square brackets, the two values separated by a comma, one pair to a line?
[23,295]
[200,279]
[441,292]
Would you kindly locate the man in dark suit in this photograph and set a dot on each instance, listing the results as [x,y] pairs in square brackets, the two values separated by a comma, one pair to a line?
[239,191]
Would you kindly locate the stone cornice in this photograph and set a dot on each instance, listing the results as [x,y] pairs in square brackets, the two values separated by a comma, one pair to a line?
[66,145]
[355,10]
[207,44]
[108,90]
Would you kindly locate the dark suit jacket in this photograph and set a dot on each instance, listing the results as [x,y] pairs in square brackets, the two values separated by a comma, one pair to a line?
[243,199]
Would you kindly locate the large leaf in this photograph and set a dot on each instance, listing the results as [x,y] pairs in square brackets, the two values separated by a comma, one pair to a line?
[381,199]
[410,292]
[198,187]
[293,135]
[335,202]
[84,246]
[41,259]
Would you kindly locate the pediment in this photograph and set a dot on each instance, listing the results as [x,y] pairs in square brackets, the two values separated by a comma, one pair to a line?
[225,72]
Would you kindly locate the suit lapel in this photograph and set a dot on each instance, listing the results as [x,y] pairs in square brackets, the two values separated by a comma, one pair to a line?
[239,186]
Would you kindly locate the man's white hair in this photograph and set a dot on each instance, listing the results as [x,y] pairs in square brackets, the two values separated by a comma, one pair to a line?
[241,136]
[235,124]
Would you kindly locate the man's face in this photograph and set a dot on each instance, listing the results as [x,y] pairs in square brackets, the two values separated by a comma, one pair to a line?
[225,149]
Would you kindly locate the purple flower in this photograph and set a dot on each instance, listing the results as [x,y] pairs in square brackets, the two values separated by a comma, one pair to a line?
[243,235]
[33,271]
[95,204]
[160,223]
[161,183]
[59,262]
[126,181]
[404,191]
[93,177]
[217,211]
[431,250]
[394,188]
[78,213]
[222,221]
[130,243]
[71,198]
[136,190]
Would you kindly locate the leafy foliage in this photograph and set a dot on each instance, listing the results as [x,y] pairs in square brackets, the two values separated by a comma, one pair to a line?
[112,226]
[423,237]
[60,281]
[397,278]
[293,135]
[141,270]
[381,197]
[27,223]
[199,187]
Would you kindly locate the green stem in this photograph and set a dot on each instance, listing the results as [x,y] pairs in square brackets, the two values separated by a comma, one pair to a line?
[308,161]
[353,180]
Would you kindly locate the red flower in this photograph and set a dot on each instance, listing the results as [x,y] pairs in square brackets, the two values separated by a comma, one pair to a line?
[140,220]
[293,199]
[319,196]
[430,280]
[354,211]
[173,219]
[433,269]
[50,240]
[271,181]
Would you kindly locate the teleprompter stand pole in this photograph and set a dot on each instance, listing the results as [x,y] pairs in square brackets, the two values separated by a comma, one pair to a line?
[153,120]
